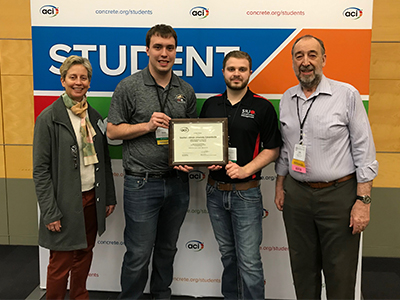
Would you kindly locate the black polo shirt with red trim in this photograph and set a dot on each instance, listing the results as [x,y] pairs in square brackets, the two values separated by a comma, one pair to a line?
[252,126]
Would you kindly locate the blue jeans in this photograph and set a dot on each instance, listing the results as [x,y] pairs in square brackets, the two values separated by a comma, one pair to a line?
[236,218]
[154,212]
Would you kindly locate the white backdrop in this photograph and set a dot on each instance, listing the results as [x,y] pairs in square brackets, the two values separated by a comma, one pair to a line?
[111,35]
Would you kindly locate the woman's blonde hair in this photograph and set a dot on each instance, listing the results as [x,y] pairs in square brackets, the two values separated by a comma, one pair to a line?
[75,60]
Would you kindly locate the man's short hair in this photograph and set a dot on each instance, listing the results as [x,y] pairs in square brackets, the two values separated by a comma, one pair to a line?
[165,31]
[236,54]
[75,60]
[309,36]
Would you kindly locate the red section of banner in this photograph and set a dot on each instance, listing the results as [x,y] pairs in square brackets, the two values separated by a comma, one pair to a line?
[41,102]
[348,59]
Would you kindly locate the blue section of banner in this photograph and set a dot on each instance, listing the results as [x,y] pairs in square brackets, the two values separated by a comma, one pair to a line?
[199,61]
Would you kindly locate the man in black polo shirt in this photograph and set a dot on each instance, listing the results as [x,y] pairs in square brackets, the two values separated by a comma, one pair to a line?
[234,198]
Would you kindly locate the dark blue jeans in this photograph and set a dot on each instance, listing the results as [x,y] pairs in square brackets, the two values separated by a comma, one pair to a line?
[236,218]
[154,212]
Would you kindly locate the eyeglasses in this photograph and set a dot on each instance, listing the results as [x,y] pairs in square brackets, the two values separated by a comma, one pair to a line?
[74,152]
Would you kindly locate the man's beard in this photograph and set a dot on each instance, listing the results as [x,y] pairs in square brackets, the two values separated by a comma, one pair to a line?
[236,87]
[308,82]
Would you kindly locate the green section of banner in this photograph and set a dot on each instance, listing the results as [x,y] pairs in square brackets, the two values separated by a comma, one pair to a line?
[101,104]
[115,151]
[200,103]
[366,105]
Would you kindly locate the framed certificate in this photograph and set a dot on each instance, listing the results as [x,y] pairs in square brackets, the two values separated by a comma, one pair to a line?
[197,142]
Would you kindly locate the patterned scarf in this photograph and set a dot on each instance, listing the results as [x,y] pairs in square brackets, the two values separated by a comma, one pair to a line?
[87,131]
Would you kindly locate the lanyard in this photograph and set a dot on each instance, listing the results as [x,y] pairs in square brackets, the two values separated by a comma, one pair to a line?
[305,117]
[162,104]
[234,116]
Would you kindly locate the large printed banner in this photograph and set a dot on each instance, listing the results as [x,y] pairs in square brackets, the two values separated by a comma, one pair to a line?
[111,34]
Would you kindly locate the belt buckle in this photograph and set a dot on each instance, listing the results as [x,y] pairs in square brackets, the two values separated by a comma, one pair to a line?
[217,184]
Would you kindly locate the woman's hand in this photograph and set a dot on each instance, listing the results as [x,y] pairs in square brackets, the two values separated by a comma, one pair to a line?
[109,210]
[54,226]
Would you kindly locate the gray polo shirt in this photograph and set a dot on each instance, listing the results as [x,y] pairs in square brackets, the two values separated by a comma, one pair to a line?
[133,102]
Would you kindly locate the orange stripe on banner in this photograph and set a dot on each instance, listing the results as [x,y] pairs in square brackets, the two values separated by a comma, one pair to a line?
[348,59]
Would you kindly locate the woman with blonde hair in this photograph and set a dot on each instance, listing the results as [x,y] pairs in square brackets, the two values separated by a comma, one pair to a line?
[73,180]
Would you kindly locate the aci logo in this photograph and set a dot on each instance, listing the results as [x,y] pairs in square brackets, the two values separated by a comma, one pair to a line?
[265,213]
[353,13]
[195,246]
[49,10]
[199,12]
[197,175]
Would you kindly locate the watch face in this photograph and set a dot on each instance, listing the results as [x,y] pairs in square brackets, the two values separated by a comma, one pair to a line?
[365,199]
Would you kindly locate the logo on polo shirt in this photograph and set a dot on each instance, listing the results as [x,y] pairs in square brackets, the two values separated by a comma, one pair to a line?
[248,113]
[180,98]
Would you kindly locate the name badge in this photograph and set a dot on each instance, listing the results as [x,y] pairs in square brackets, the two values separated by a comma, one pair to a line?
[299,157]
[299,152]
[232,154]
[162,136]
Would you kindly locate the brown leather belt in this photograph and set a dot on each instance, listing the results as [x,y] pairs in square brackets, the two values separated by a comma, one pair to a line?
[240,186]
[321,185]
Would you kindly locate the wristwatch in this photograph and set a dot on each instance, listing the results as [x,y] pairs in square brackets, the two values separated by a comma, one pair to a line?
[365,199]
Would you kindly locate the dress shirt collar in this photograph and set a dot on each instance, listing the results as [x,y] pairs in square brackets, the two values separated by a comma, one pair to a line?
[323,87]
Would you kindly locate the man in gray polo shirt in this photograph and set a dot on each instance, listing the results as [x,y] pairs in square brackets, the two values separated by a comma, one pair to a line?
[156,197]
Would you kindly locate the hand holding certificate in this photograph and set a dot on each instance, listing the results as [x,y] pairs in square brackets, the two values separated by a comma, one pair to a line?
[198,142]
